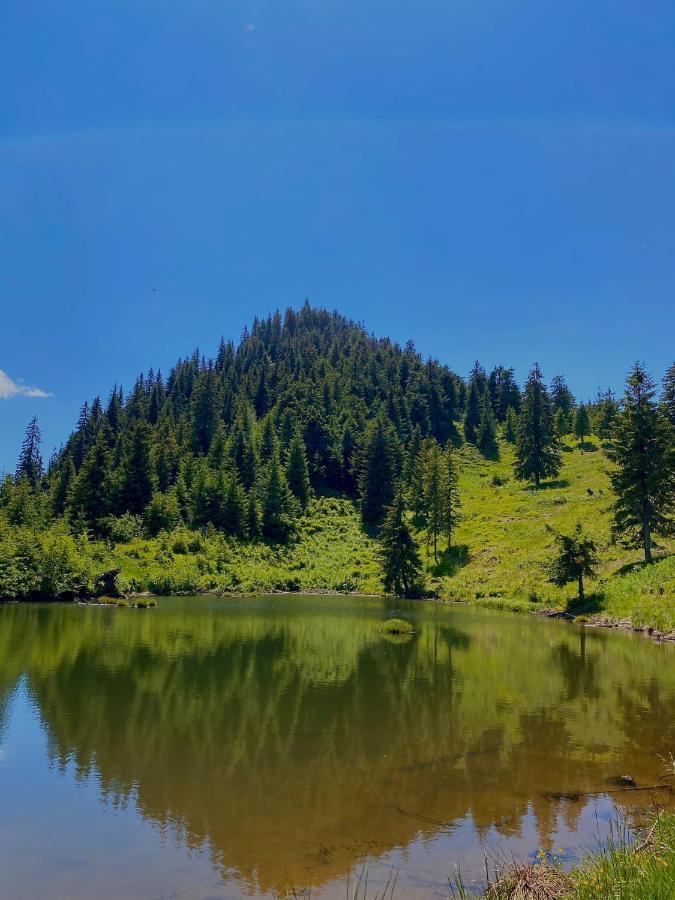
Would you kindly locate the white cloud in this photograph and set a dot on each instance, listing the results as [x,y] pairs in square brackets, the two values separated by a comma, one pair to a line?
[9,388]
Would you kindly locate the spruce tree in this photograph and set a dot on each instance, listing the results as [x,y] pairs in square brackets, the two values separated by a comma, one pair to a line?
[561,396]
[399,553]
[278,504]
[253,518]
[487,430]
[136,475]
[30,460]
[472,414]
[62,485]
[511,426]
[432,485]
[235,509]
[581,423]
[297,473]
[378,471]
[560,423]
[643,451]
[452,506]
[606,409]
[537,452]
[576,556]
[90,500]
[668,395]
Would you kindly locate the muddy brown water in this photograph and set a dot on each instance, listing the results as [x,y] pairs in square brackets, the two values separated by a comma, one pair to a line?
[248,747]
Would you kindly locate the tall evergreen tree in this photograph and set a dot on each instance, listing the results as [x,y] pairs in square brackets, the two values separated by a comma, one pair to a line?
[30,461]
[378,471]
[561,425]
[136,472]
[400,555]
[582,422]
[561,396]
[472,414]
[537,452]
[644,453]
[668,394]
[487,431]
[278,504]
[452,506]
[606,409]
[90,500]
[511,426]
[297,473]
[433,475]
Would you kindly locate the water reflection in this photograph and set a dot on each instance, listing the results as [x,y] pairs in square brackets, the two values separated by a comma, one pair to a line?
[293,739]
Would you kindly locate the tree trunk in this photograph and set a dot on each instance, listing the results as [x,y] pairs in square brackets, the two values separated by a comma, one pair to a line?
[647,538]
[581,587]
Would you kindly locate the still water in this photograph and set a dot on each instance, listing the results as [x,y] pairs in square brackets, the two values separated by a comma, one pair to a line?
[250,747]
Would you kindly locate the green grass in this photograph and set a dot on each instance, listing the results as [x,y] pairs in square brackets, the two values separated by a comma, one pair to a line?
[643,872]
[498,560]
[397,626]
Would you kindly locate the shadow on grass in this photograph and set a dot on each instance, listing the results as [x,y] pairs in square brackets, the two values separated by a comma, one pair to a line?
[588,447]
[640,564]
[592,603]
[548,485]
[451,560]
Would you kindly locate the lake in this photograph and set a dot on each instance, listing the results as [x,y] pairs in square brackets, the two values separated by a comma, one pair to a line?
[256,746]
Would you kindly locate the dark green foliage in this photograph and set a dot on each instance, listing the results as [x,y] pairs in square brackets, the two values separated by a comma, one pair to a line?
[537,453]
[472,414]
[561,424]
[379,468]
[561,396]
[576,557]
[233,518]
[604,413]
[511,426]
[452,507]
[136,471]
[487,430]
[504,392]
[30,460]
[297,473]
[668,395]
[643,450]
[279,507]
[162,513]
[432,492]
[91,492]
[400,556]
[582,422]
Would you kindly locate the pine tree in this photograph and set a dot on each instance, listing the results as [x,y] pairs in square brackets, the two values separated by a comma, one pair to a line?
[235,509]
[472,414]
[644,453]
[487,431]
[537,452]
[162,513]
[606,409]
[432,484]
[278,504]
[30,460]
[400,555]
[62,485]
[668,394]
[511,426]
[378,471]
[576,557]
[581,423]
[253,518]
[561,396]
[560,423]
[452,506]
[136,471]
[90,499]
[297,473]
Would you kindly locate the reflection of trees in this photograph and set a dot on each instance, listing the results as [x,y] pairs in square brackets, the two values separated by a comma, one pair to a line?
[295,741]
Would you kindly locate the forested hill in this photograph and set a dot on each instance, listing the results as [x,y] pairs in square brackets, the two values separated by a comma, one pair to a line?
[308,374]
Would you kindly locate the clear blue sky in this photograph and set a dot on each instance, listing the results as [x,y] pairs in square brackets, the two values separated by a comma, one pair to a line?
[494,178]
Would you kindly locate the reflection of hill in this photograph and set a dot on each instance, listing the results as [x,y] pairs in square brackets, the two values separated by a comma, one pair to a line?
[301,739]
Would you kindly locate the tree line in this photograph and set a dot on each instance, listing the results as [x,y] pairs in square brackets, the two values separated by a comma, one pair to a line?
[309,403]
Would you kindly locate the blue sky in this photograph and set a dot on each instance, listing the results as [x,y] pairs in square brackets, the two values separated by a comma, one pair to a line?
[495,179]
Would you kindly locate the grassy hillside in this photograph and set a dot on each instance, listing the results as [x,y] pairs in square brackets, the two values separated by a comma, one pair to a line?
[501,548]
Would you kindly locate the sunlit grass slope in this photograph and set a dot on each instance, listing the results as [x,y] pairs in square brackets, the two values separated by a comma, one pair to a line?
[499,556]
